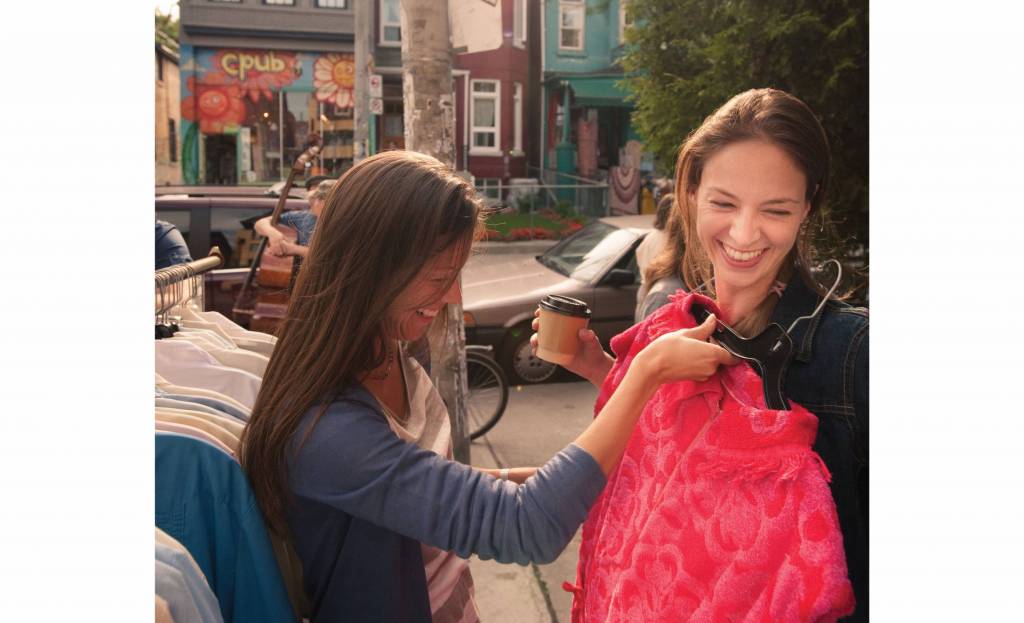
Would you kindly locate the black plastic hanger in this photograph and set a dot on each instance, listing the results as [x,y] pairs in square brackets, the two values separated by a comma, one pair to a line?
[769,351]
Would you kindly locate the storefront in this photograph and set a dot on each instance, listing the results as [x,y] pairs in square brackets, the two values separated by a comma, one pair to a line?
[246,113]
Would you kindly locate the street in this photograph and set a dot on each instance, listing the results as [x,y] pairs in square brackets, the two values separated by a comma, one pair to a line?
[540,421]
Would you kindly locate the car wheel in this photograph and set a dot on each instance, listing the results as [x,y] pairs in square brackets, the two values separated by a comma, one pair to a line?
[522,366]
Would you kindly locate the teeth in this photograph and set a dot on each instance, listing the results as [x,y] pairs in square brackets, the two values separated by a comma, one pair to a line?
[427,313]
[740,255]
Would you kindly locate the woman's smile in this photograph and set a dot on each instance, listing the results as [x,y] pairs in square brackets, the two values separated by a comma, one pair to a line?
[741,259]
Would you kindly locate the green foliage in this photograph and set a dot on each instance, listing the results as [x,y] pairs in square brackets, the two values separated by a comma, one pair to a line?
[688,57]
[167,25]
[565,208]
[527,203]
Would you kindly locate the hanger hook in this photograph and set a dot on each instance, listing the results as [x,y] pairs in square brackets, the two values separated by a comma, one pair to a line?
[831,291]
[163,296]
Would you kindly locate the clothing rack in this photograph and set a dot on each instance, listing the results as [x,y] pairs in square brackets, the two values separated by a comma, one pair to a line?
[176,284]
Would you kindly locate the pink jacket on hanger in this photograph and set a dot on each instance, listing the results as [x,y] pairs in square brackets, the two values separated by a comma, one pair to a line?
[719,510]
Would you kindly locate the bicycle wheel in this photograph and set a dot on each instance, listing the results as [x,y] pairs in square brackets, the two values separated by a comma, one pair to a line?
[488,394]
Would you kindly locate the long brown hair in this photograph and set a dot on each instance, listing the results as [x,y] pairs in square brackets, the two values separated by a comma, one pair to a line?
[382,221]
[763,114]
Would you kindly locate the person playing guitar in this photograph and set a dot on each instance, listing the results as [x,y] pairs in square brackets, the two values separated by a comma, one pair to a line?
[303,221]
[285,239]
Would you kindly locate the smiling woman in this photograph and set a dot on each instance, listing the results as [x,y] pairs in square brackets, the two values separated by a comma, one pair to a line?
[349,445]
[748,183]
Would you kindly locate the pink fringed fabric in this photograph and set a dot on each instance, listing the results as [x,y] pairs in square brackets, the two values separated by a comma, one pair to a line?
[719,510]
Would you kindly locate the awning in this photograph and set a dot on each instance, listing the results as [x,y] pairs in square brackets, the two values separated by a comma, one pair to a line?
[598,91]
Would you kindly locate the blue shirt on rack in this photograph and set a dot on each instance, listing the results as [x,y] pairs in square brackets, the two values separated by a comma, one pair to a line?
[203,500]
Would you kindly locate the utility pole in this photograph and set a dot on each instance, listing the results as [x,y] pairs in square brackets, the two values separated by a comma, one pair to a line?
[364,67]
[430,129]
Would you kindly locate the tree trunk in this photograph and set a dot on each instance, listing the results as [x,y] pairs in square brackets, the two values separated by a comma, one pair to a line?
[430,129]
[364,66]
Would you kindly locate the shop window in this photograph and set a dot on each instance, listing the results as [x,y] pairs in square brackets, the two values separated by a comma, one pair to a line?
[332,4]
[625,20]
[486,118]
[172,139]
[296,125]
[390,23]
[571,18]
[394,125]
[519,24]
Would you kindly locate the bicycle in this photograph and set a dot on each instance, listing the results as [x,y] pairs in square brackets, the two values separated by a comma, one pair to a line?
[488,391]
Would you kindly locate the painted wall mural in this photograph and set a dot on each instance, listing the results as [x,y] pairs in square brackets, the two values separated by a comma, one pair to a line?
[335,79]
[223,89]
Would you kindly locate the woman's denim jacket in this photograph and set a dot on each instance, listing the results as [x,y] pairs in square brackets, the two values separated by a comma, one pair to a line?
[828,375]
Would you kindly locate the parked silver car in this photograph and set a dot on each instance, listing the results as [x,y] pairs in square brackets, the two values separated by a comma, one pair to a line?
[597,265]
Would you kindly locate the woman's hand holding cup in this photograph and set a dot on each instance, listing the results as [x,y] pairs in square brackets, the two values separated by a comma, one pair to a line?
[590,360]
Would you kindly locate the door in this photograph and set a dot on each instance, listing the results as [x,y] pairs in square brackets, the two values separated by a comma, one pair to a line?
[221,160]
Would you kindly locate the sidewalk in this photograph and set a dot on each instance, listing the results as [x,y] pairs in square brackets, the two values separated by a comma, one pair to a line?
[510,593]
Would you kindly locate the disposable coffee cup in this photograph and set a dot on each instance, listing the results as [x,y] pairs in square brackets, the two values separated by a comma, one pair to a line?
[561,319]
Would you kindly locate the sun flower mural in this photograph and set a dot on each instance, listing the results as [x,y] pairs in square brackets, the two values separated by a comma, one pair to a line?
[215,104]
[334,79]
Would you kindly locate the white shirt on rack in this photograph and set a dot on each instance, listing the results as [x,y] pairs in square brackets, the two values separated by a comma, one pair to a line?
[165,386]
[231,357]
[234,330]
[183,363]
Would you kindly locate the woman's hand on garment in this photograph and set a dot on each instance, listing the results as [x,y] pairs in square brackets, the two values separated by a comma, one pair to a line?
[684,355]
[590,362]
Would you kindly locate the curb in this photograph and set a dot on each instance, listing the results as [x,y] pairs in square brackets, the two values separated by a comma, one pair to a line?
[526,247]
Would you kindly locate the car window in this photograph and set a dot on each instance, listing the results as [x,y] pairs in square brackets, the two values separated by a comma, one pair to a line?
[587,253]
[628,262]
[228,232]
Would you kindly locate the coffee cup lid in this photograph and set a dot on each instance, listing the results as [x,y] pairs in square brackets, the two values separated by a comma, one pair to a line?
[565,305]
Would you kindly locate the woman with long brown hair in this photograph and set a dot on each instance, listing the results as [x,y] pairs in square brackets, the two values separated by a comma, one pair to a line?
[750,184]
[349,449]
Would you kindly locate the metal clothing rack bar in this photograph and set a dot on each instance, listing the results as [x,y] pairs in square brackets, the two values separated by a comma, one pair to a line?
[196,267]
[171,287]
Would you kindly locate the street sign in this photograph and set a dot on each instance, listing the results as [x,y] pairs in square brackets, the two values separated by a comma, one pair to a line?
[376,85]
[376,106]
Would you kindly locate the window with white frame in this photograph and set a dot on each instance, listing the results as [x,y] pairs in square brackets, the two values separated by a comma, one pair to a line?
[280,2]
[517,119]
[519,23]
[571,18]
[625,20]
[390,23]
[485,115]
[332,4]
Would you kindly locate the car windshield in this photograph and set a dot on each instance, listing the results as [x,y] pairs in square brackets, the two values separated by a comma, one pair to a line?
[585,254]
